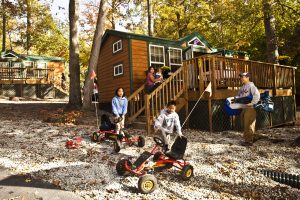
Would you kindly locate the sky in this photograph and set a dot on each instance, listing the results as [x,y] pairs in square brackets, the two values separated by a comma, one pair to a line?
[60,13]
[60,10]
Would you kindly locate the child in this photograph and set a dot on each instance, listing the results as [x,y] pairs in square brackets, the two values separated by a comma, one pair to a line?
[166,121]
[119,108]
[158,76]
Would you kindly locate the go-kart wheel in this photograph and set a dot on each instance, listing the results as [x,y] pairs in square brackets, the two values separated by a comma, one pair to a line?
[120,167]
[95,137]
[159,141]
[157,156]
[117,145]
[141,141]
[147,184]
[187,172]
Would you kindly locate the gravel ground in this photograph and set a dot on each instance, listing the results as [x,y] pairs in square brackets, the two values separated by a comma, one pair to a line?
[223,168]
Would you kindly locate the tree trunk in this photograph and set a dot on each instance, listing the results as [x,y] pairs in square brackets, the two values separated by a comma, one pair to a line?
[270,31]
[89,83]
[3,26]
[149,17]
[28,27]
[113,8]
[74,67]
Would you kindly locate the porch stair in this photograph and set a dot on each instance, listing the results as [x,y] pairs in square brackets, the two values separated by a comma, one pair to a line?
[144,108]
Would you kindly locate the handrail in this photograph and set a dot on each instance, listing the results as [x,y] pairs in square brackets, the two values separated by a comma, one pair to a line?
[223,72]
[136,104]
[133,95]
[170,89]
[23,73]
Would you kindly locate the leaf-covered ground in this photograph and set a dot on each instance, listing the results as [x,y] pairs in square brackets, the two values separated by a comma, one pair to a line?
[223,169]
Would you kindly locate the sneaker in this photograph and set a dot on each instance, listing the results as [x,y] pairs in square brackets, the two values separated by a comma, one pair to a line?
[246,144]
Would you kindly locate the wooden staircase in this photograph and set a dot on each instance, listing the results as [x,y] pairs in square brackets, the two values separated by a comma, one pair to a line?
[144,108]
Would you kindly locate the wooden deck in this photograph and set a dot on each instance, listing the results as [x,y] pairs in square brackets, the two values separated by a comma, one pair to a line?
[190,80]
[9,75]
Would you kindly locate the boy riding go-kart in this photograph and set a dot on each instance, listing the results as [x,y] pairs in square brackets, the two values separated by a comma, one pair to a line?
[107,132]
[162,157]
[161,160]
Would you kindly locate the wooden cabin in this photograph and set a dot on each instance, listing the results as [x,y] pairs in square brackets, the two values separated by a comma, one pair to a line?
[30,75]
[125,57]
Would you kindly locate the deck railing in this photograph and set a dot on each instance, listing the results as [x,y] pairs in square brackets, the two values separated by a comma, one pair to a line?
[136,104]
[171,89]
[196,73]
[21,73]
[224,72]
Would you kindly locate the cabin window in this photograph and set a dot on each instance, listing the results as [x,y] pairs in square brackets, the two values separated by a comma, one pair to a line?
[157,56]
[28,64]
[117,46]
[4,64]
[175,56]
[41,65]
[118,70]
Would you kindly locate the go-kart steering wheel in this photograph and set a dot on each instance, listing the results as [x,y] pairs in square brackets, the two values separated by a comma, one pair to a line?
[158,141]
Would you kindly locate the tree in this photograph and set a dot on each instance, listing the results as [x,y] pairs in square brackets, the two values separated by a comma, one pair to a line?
[88,86]
[3,26]
[74,67]
[270,31]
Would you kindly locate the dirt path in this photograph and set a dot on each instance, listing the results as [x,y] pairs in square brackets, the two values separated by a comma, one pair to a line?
[223,168]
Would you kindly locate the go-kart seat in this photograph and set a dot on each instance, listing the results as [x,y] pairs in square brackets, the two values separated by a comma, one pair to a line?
[178,148]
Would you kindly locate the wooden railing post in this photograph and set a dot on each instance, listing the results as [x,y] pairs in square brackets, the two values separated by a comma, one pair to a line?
[147,113]
[294,94]
[274,80]
[186,92]
[213,77]
[201,80]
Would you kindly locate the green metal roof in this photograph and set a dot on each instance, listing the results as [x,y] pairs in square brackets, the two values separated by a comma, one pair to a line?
[44,58]
[172,43]
[150,39]
[34,57]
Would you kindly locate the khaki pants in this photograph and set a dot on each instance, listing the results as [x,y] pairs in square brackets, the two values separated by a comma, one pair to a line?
[248,120]
[119,125]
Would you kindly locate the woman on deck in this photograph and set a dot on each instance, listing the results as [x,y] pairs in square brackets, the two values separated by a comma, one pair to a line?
[151,80]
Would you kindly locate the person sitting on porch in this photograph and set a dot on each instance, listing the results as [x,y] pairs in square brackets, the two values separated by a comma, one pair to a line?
[248,115]
[150,80]
[166,121]
[158,75]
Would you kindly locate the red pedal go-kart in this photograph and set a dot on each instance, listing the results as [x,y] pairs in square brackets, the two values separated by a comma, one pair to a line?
[144,168]
[102,135]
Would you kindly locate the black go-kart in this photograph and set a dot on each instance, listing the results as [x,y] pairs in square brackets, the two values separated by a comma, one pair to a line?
[107,132]
[144,168]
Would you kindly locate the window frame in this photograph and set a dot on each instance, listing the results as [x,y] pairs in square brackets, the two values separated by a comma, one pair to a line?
[164,56]
[116,43]
[175,64]
[118,65]
[38,63]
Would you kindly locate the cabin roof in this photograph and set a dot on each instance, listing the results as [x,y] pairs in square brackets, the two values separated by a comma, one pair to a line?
[9,53]
[141,37]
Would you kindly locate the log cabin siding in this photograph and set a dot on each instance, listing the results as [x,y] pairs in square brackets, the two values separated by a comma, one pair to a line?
[107,82]
[139,62]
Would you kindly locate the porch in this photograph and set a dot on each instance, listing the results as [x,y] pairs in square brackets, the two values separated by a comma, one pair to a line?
[189,82]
